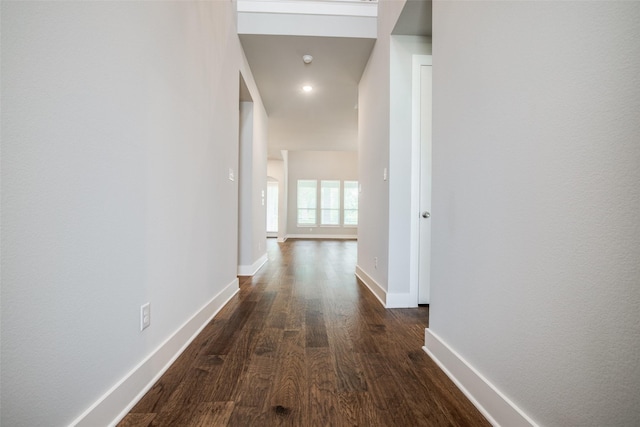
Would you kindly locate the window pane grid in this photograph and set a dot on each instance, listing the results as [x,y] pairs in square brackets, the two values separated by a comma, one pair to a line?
[330,202]
[336,206]
[350,203]
[307,201]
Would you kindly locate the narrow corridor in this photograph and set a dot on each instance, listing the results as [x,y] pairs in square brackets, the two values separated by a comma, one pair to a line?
[304,344]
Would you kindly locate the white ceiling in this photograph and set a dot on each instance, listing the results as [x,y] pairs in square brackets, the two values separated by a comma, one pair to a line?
[323,119]
[327,117]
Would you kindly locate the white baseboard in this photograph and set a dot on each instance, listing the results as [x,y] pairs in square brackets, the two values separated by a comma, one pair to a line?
[118,401]
[404,300]
[323,236]
[250,270]
[378,291]
[388,300]
[493,404]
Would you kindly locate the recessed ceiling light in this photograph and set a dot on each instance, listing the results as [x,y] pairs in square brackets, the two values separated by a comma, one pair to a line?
[307,88]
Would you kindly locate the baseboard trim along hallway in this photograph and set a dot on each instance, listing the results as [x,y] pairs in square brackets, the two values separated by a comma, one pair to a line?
[378,291]
[387,299]
[305,343]
[118,401]
[497,408]
[250,270]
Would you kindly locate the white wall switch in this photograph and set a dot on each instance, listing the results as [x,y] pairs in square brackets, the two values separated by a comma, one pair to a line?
[384,174]
[145,316]
[232,175]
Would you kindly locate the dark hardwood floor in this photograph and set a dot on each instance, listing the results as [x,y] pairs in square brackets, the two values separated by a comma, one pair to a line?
[305,344]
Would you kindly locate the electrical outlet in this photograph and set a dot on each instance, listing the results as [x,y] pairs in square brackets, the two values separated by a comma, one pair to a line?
[145,316]
[375,262]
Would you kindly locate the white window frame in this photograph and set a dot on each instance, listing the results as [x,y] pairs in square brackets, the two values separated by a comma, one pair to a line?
[344,204]
[314,208]
[324,199]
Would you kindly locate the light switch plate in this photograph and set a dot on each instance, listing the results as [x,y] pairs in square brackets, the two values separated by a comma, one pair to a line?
[145,316]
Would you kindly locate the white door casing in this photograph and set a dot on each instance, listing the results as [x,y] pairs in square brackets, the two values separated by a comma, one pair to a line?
[421,179]
[424,252]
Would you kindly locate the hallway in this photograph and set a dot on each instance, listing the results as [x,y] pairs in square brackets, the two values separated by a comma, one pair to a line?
[304,344]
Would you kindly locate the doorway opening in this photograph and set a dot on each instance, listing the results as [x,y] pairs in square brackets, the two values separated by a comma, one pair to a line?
[272,207]
[421,179]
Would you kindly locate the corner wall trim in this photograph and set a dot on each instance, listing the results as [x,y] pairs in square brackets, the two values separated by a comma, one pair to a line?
[377,290]
[250,270]
[118,401]
[493,404]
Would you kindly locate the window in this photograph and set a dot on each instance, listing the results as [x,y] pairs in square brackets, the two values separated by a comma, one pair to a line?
[307,201]
[330,202]
[335,196]
[350,203]
[272,207]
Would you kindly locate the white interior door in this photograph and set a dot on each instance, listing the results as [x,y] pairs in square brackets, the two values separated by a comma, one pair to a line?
[424,251]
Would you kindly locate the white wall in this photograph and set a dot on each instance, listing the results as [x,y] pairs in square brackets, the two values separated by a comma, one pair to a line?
[119,125]
[259,167]
[536,262]
[246,199]
[252,186]
[308,18]
[402,49]
[327,165]
[373,154]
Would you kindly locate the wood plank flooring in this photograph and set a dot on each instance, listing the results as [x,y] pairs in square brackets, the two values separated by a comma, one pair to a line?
[305,344]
